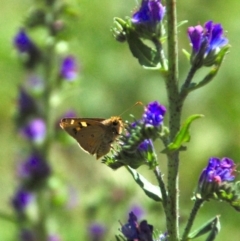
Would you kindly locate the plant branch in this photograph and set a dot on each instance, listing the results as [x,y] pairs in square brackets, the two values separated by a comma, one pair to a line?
[198,203]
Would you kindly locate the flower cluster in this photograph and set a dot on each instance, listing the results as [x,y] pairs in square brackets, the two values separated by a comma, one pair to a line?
[136,145]
[206,43]
[214,176]
[34,123]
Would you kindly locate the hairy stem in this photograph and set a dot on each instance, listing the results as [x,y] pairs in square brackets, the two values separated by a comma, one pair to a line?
[174,121]
[193,214]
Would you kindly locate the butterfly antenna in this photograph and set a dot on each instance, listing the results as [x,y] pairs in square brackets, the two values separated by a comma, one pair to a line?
[137,103]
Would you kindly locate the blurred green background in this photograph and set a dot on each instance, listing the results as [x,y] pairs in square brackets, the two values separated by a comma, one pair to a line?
[111,81]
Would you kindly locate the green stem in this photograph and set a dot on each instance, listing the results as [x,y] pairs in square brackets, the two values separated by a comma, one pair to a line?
[48,66]
[161,186]
[174,121]
[198,203]
[185,87]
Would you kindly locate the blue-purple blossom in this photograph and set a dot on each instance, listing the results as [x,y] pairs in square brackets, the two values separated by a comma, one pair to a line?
[25,46]
[69,68]
[134,231]
[54,237]
[21,200]
[27,235]
[218,171]
[145,146]
[151,12]
[206,42]
[96,232]
[35,130]
[154,114]
[34,169]
[214,176]
[130,230]
[26,104]
[137,210]
[23,43]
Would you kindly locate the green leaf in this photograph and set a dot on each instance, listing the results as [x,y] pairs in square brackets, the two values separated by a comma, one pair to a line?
[147,56]
[150,190]
[212,226]
[120,238]
[182,136]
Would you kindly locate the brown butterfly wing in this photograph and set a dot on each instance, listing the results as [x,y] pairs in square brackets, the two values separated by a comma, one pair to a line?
[88,132]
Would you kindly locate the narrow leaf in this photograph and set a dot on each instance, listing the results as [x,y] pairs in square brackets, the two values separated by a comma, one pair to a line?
[150,190]
[182,136]
[120,238]
[212,226]
[215,230]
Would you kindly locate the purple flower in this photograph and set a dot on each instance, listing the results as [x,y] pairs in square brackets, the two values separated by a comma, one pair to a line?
[25,46]
[26,104]
[34,169]
[217,172]
[145,146]
[35,130]
[96,231]
[137,210]
[154,114]
[130,230]
[27,235]
[134,231]
[23,43]
[206,43]
[69,68]
[151,12]
[54,237]
[21,200]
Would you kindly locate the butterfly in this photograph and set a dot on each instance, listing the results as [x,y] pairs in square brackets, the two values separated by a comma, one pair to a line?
[94,135]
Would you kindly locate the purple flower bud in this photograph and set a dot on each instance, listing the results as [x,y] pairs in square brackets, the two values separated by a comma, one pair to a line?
[69,68]
[35,130]
[54,237]
[154,114]
[27,235]
[34,169]
[22,42]
[137,210]
[150,12]
[206,43]
[26,104]
[24,45]
[130,230]
[145,146]
[21,200]
[96,231]
[134,231]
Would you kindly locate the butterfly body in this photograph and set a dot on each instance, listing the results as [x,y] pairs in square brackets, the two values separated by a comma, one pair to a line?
[94,135]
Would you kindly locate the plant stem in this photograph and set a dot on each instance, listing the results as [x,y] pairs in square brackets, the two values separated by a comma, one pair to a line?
[48,66]
[174,121]
[198,203]
[161,186]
